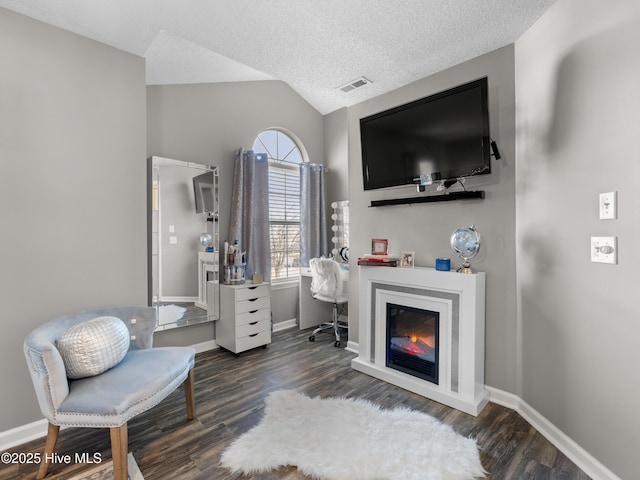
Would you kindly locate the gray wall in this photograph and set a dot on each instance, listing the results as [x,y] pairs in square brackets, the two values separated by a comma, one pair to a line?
[336,140]
[72,188]
[577,78]
[426,228]
[206,124]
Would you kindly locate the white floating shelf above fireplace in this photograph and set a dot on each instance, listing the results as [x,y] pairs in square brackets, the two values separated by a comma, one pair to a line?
[459,302]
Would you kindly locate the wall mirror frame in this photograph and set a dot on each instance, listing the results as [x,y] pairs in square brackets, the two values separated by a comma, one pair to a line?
[183,234]
[340,232]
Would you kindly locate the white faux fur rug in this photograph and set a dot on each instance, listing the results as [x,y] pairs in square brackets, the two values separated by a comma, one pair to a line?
[351,439]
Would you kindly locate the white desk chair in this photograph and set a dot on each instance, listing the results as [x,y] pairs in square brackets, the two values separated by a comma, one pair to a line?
[327,286]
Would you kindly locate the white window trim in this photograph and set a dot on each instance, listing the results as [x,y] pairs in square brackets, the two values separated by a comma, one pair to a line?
[285,283]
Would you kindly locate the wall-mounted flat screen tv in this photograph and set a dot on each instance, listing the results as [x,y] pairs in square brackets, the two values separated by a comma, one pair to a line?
[445,136]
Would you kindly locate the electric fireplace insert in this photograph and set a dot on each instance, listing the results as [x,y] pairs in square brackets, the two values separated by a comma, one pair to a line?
[412,341]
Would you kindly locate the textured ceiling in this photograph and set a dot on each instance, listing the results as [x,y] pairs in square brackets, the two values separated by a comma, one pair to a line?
[314,46]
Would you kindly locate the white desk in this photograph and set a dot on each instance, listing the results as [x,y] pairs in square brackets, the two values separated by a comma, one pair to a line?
[314,312]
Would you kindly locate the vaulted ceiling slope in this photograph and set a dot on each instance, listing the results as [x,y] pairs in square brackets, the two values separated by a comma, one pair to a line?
[315,46]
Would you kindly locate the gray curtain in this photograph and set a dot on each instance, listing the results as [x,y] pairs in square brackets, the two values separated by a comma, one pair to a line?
[249,219]
[313,221]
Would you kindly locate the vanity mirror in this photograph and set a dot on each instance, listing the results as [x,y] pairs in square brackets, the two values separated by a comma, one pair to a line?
[340,231]
[183,242]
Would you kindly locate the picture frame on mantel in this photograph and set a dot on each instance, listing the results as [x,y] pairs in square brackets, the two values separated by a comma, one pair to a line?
[379,246]
[408,259]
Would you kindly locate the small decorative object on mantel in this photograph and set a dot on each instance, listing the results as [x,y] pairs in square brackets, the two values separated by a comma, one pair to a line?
[379,246]
[379,256]
[407,259]
[378,260]
[466,243]
[443,264]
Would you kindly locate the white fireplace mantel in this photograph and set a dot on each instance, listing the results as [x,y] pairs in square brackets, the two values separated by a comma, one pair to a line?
[460,300]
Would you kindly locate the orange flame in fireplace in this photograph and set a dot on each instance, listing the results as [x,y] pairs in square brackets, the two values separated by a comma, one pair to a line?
[414,347]
[428,340]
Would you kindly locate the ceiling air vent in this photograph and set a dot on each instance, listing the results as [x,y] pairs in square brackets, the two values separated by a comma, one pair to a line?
[360,82]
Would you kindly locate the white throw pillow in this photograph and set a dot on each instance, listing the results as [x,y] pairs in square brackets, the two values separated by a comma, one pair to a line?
[93,347]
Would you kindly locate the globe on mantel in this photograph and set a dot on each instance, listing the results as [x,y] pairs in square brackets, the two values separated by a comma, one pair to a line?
[466,243]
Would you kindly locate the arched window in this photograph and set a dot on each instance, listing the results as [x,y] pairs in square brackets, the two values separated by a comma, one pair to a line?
[285,156]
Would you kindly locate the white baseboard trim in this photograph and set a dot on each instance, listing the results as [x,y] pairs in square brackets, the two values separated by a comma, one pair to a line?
[285,325]
[23,434]
[205,346]
[578,455]
[352,347]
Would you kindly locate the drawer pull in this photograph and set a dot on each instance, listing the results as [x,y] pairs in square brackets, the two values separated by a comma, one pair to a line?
[252,288]
[254,335]
[253,311]
[252,299]
[253,323]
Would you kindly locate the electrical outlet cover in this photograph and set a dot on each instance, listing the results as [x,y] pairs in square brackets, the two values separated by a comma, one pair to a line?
[608,206]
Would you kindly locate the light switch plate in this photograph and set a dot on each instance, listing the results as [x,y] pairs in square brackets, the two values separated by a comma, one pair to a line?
[604,250]
[608,206]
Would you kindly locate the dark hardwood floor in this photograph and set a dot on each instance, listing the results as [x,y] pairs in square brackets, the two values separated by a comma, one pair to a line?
[230,396]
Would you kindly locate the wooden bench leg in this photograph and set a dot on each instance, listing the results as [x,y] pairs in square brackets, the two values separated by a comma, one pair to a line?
[49,445]
[189,394]
[119,451]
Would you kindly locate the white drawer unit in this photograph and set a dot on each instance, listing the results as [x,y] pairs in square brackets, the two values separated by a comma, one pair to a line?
[245,317]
